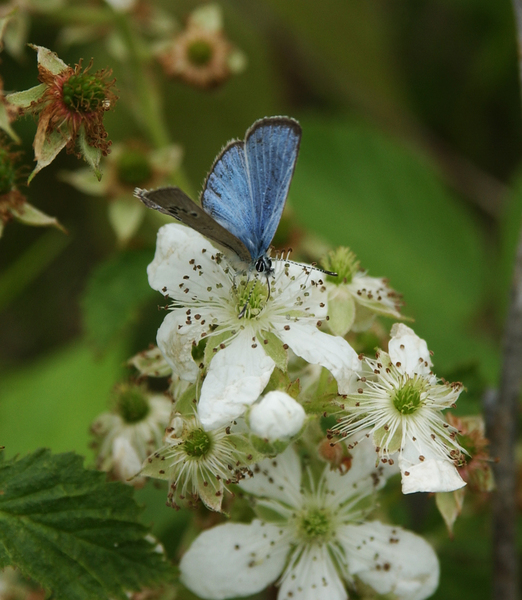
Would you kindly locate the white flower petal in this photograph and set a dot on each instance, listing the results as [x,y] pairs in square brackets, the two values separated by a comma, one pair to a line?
[277,416]
[408,349]
[179,252]
[374,294]
[277,478]
[126,460]
[312,576]
[431,475]
[319,348]
[364,475]
[236,377]
[428,466]
[233,560]
[174,339]
[391,560]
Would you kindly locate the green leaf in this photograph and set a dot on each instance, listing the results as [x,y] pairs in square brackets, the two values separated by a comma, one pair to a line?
[30,215]
[5,123]
[71,531]
[450,506]
[27,97]
[49,59]
[91,154]
[125,217]
[341,310]
[47,145]
[116,291]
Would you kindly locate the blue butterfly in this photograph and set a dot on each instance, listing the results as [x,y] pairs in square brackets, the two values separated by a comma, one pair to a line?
[244,193]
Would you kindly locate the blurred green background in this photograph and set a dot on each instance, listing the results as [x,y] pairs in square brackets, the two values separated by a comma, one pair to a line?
[410,155]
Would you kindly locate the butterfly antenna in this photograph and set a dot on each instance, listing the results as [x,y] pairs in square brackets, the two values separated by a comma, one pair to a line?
[313,266]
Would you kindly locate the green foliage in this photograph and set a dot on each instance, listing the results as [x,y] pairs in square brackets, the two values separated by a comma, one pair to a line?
[116,291]
[388,205]
[71,531]
[52,401]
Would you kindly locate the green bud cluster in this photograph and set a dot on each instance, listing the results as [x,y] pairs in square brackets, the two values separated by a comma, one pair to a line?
[198,443]
[407,398]
[343,262]
[83,92]
[315,526]
[132,403]
[200,53]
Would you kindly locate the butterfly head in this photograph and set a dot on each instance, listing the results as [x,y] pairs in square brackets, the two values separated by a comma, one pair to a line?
[264,265]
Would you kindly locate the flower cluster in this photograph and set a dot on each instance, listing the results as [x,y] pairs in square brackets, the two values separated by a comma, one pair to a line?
[254,362]
[312,538]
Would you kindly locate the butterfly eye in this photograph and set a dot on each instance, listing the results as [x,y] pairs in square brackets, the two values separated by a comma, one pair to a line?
[263,264]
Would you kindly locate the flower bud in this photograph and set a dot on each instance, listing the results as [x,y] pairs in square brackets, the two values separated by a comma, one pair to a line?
[277,416]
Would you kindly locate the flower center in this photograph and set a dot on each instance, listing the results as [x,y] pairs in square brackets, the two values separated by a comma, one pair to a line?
[407,398]
[315,525]
[252,296]
[83,93]
[7,172]
[200,53]
[198,443]
[343,262]
[133,168]
[133,405]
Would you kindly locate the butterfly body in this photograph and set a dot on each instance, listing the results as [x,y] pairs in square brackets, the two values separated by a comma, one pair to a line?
[244,193]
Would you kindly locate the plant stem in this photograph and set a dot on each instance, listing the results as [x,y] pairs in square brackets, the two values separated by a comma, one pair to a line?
[149,105]
[502,424]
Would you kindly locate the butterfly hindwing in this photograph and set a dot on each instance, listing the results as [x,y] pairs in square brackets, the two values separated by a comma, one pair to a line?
[174,202]
[247,186]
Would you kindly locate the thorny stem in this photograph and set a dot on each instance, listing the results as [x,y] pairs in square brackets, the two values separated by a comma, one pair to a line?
[502,424]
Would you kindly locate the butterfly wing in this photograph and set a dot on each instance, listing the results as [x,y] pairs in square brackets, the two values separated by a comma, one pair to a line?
[247,186]
[174,202]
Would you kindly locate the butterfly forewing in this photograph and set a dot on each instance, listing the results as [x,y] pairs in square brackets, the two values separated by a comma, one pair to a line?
[226,195]
[174,202]
[247,187]
[271,149]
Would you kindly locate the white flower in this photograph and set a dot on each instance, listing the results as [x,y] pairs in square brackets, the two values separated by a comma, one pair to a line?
[355,298]
[126,436]
[277,416]
[208,297]
[199,464]
[401,403]
[315,542]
